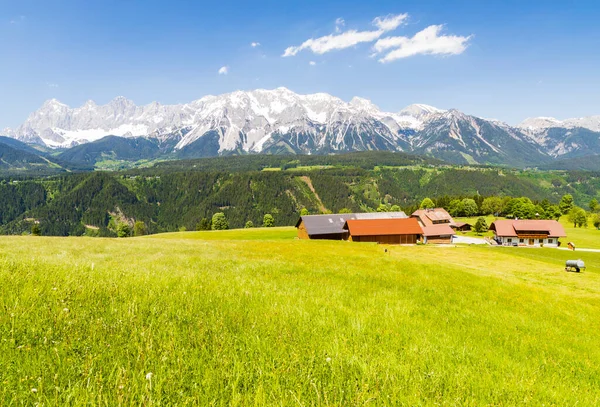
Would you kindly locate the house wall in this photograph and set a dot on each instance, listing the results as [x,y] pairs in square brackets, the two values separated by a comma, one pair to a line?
[386,239]
[332,236]
[438,240]
[302,233]
[525,241]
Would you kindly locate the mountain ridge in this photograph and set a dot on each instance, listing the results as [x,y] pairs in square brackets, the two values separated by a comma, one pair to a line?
[281,121]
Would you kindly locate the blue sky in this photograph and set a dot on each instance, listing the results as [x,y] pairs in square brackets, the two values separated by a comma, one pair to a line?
[507,60]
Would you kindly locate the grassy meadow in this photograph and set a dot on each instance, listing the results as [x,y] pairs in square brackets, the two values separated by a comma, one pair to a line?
[256,317]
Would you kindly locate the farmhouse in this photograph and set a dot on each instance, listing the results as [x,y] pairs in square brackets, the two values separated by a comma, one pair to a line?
[527,232]
[331,227]
[436,224]
[386,231]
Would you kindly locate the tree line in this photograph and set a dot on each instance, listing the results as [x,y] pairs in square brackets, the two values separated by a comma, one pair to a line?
[112,204]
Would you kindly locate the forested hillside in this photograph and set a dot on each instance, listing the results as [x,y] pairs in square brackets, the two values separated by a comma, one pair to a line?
[186,194]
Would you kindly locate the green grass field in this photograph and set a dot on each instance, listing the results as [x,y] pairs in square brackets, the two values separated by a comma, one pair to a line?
[256,317]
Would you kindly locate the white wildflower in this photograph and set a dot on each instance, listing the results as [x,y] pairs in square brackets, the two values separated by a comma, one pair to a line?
[149,376]
[328,360]
[34,390]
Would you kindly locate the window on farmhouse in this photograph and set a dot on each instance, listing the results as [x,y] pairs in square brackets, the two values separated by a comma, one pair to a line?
[521,240]
[509,240]
[550,241]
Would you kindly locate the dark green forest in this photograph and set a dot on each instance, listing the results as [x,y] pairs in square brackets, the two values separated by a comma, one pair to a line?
[186,194]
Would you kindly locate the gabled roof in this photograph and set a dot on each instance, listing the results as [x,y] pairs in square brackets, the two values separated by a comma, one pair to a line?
[325,224]
[504,228]
[438,230]
[381,215]
[429,216]
[459,224]
[334,223]
[511,228]
[382,227]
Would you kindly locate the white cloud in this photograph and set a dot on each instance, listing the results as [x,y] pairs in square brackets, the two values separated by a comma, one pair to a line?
[339,23]
[224,70]
[255,44]
[425,42]
[52,85]
[390,22]
[347,39]
[312,63]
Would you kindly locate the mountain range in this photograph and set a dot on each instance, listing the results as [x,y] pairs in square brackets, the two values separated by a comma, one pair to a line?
[280,121]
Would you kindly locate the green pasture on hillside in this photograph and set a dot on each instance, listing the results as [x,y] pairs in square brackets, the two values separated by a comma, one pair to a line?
[278,233]
[230,318]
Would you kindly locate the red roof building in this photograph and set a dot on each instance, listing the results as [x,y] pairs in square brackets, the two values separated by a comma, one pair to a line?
[436,224]
[527,232]
[386,231]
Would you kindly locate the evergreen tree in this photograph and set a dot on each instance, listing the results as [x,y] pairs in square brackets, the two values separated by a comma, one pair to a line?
[123,229]
[249,225]
[480,226]
[36,230]
[139,228]
[566,203]
[204,224]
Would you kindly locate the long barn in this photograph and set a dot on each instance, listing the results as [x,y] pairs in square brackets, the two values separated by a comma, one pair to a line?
[385,231]
[331,227]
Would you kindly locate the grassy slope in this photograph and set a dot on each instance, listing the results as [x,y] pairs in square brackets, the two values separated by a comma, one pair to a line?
[278,233]
[239,322]
[582,237]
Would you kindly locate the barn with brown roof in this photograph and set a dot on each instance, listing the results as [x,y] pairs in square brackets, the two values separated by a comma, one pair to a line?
[510,232]
[436,224]
[385,231]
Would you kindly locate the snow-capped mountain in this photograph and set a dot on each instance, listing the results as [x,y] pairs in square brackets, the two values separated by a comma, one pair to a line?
[281,121]
[564,138]
[540,123]
[247,121]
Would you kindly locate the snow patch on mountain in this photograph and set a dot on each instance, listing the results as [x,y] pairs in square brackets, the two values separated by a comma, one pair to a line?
[538,124]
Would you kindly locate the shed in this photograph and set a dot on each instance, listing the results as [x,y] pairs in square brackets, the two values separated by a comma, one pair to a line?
[386,231]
